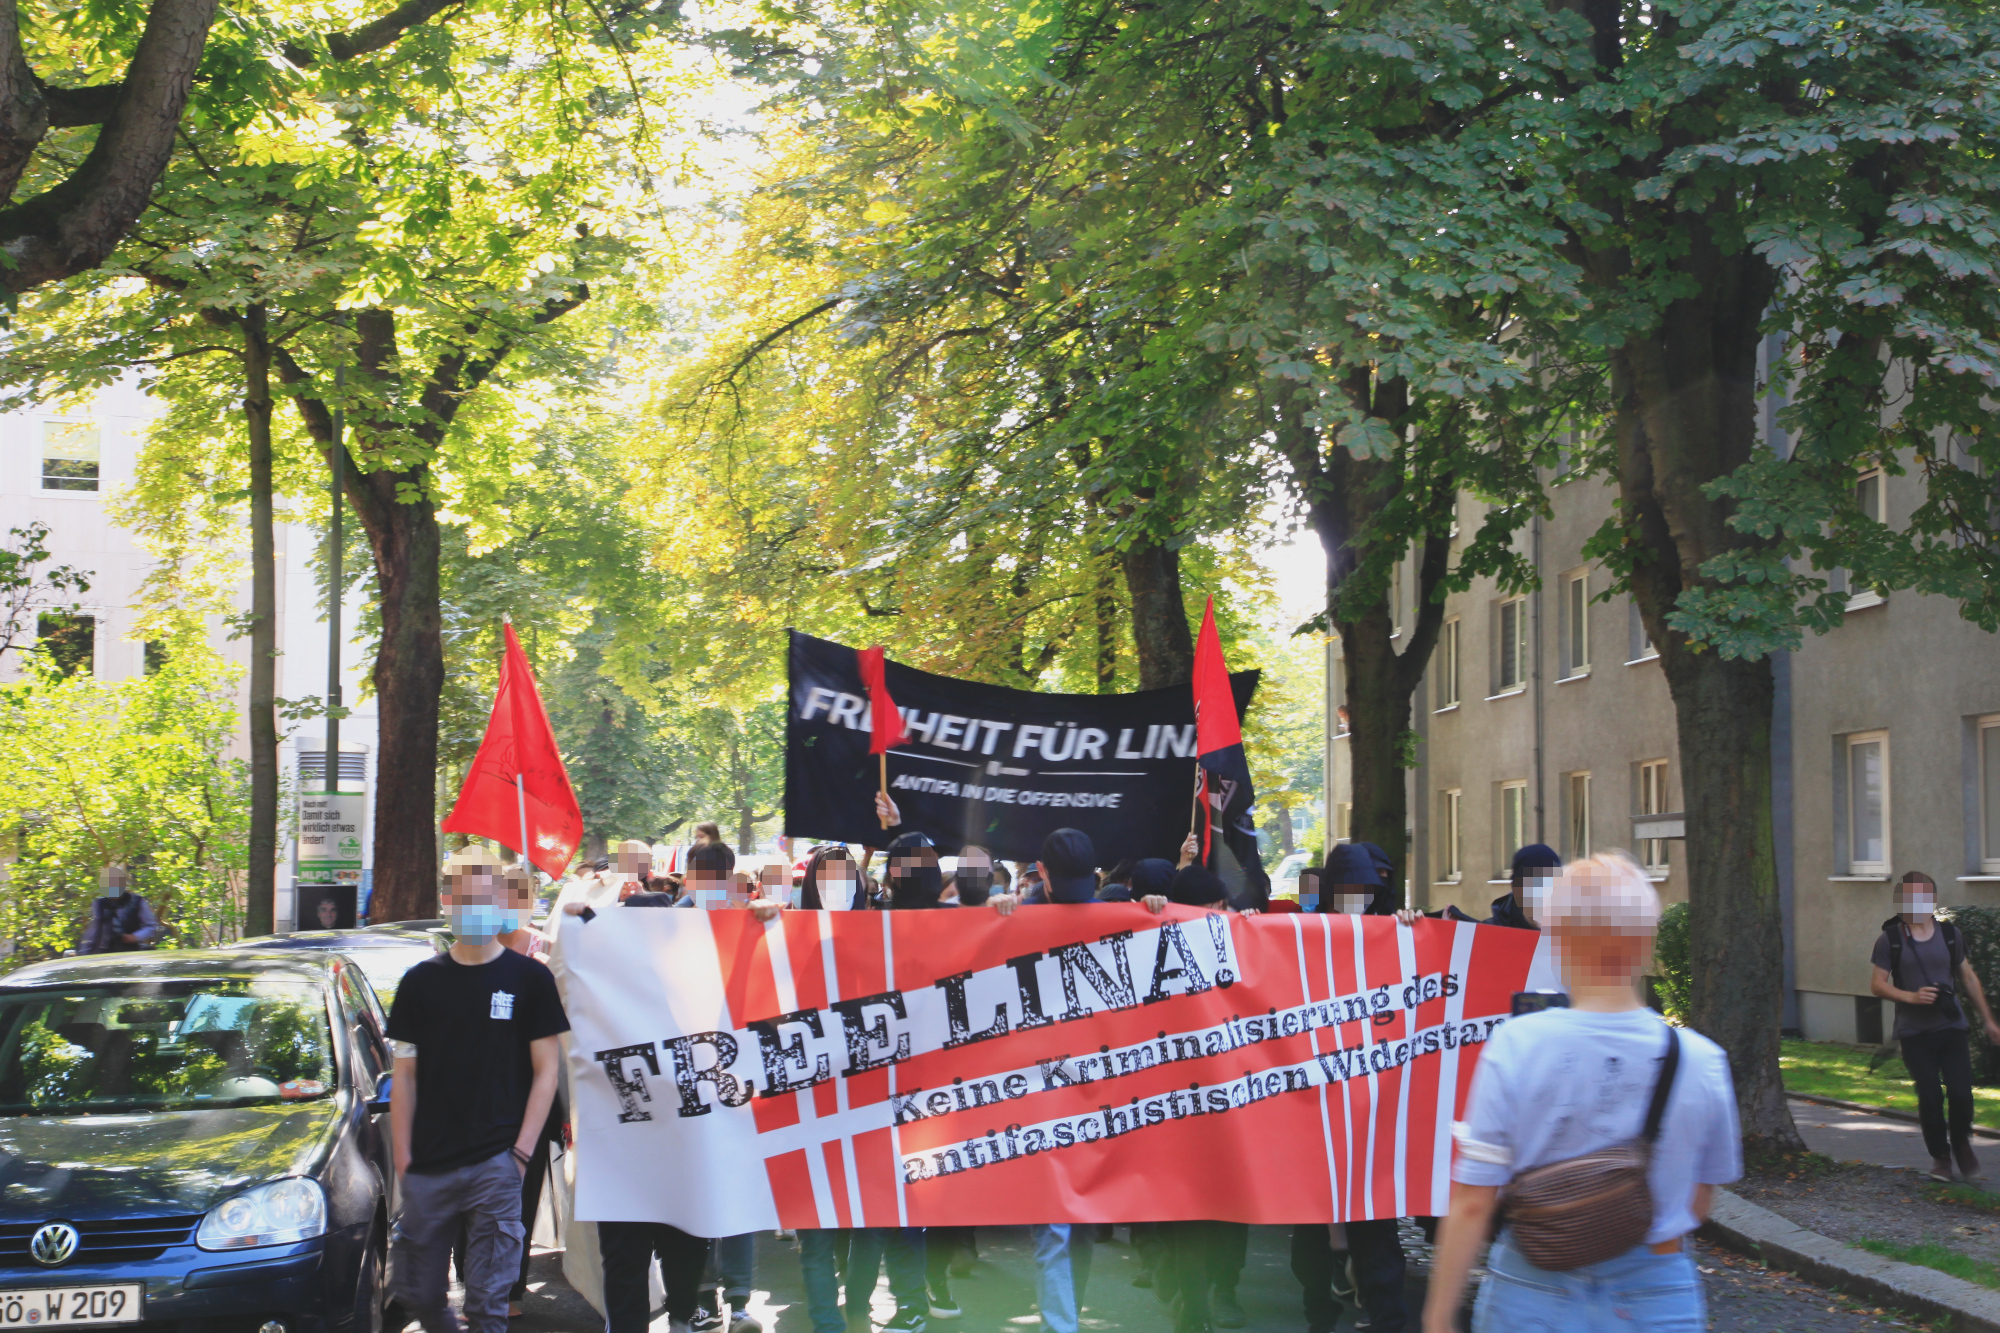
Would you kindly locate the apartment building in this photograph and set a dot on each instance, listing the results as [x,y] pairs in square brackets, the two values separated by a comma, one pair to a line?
[1545,717]
[61,468]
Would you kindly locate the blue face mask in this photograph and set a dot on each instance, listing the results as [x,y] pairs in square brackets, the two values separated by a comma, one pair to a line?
[476,923]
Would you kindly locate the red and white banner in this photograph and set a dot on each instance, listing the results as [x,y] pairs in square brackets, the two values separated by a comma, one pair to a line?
[1064,1064]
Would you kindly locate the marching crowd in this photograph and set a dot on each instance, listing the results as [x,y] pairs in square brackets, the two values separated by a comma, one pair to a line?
[1565,1103]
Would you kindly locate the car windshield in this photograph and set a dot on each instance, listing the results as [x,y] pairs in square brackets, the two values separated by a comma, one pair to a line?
[163,1046]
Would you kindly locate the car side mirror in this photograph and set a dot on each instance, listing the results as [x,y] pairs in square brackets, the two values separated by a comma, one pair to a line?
[379,1103]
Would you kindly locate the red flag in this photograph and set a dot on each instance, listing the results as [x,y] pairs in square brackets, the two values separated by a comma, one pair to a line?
[517,789]
[885,723]
[1215,723]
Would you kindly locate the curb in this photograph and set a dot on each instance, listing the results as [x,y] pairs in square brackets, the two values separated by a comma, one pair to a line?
[1979,1131]
[1762,1234]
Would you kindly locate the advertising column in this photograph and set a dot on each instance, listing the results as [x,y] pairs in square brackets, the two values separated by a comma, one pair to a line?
[332,833]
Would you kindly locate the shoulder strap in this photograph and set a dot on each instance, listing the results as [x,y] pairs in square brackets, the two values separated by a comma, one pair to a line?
[1953,944]
[1895,954]
[1663,1087]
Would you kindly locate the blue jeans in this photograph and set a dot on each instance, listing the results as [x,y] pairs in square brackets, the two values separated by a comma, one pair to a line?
[734,1259]
[902,1249]
[1637,1292]
[822,1254]
[1062,1261]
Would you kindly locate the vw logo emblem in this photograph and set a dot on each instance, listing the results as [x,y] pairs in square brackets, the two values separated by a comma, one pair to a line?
[54,1244]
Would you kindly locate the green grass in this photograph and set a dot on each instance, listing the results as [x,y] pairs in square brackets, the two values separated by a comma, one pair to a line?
[1933,1255]
[1826,1069]
[1963,1196]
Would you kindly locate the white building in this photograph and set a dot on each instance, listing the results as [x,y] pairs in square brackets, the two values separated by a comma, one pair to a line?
[59,468]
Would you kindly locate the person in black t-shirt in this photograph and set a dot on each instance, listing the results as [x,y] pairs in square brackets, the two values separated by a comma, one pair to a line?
[475,1034]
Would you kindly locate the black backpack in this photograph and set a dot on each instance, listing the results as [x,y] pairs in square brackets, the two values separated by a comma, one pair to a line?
[1954,946]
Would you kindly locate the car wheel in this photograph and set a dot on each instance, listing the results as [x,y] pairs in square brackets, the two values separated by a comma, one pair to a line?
[370,1298]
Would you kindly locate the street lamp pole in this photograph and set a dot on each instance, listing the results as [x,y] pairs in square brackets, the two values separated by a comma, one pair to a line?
[330,757]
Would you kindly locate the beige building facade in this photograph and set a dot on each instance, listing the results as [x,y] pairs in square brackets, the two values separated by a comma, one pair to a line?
[1545,717]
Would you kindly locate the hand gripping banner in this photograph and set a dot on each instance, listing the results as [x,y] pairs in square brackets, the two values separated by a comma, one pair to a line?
[1065,1064]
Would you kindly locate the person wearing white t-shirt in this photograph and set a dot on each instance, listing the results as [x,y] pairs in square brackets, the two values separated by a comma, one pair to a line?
[1558,1084]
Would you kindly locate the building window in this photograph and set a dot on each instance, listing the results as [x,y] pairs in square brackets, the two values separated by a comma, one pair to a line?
[1512,826]
[1396,600]
[1867,776]
[69,456]
[1642,642]
[1451,864]
[1576,817]
[1871,497]
[155,656]
[1989,795]
[1653,852]
[1343,821]
[1511,670]
[1444,665]
[70,643]
[1576,623]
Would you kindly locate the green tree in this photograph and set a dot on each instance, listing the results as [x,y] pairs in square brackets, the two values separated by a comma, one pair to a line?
[131,771]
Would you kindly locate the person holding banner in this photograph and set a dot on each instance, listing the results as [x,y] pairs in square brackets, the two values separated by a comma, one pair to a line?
[1557,1086]
[1200,1263]
[832,881]
[1068,874]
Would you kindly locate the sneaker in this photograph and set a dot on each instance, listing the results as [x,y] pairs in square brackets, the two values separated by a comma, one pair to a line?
[784,1235]
[906,1321]
[1224,1312]
[944,1307]
[705,1320]
[743,1323]
[1145,1278]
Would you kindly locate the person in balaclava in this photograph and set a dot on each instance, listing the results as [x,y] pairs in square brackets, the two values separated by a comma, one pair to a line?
[1919,963]
[914,878]
[1067,869]
[1535,868]
[120,920]
[474,1031]
[1353,883]
[972,879]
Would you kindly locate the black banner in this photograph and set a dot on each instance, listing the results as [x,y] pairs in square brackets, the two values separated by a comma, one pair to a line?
[988,765]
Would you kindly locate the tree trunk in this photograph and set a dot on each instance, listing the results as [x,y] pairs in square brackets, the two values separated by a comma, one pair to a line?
[1378,713]
[1287,839]
[409,679]
[261,887]
[1160,631]
[1107,631]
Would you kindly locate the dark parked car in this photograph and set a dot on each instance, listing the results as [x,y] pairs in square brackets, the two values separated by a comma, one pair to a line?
[383,956]
[194,1142]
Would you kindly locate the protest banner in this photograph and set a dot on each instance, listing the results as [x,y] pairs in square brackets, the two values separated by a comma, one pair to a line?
[1064,1064]
[988,765]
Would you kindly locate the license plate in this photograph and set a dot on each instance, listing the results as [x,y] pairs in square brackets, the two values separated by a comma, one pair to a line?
[70,1306]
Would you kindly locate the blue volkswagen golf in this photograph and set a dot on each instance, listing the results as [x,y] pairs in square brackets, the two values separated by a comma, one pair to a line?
[194,1142]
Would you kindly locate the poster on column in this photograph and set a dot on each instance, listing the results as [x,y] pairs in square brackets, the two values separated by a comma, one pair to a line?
[988,765]
[1063,1064]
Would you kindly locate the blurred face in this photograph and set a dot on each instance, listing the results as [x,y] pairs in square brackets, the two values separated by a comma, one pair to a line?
[706,877]
[1352,899]
[912,858]
[633,862]
[838,879]
[483,903]
[1534,891]
[114,879]
[1309,890]
[1916,900]
[329,914]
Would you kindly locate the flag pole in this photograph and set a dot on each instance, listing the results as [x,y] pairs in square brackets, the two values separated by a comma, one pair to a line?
[521,807]
[884,769]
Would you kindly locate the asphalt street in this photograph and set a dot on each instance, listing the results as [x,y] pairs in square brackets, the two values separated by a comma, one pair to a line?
[999,1296]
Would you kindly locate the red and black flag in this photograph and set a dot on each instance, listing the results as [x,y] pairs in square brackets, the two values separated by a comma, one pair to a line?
[1225,795]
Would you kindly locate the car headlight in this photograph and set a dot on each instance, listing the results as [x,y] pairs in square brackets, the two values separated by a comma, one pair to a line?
[279,1213]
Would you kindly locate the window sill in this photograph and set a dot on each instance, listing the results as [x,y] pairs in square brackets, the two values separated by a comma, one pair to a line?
[1657,876]
[1861,601]
[1508,882]
[1573,678]
[1510,692]
[1448,708]
[1640,661]
[1979,879]
[1857,879]
[1446,883]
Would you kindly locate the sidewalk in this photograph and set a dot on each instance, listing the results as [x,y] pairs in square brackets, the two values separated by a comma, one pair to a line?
[1848,1135]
